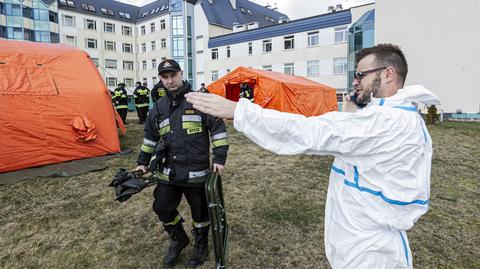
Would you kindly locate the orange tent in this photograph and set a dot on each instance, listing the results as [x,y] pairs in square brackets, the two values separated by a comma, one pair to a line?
[54,106]
[278,91]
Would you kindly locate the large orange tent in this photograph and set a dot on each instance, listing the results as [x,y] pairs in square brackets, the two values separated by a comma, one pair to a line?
[54,106]
[278,91]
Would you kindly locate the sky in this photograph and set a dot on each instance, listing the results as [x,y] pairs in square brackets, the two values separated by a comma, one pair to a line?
[295,9]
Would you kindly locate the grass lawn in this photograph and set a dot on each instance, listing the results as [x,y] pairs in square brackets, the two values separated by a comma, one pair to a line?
[275,207]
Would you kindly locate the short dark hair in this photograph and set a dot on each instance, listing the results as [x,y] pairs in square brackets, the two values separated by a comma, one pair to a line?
[387,55]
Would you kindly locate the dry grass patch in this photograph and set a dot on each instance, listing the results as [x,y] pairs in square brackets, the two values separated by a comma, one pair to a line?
[275,208]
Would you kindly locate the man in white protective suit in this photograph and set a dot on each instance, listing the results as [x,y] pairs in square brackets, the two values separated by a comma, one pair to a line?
[380,180]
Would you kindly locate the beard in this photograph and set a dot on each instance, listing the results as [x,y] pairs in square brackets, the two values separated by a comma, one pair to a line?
[366,97]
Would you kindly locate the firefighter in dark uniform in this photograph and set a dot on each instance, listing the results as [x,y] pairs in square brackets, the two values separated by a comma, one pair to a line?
[120,101]
[246,92]
[141,96]
[181,135]
[158,91]
[203,88]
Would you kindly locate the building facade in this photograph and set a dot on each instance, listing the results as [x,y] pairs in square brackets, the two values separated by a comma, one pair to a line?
[32,20]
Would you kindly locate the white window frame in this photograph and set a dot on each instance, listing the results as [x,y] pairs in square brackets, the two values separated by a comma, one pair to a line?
[68,20]
[144,65]
[250,48]
[126,30]
[153,44]
[142,30]
[313,68]
[289,68]
[111,82]
[128,65]
[127,48]
[267,46]
[72,41]
[92,22]
[313,39]
[152,27]
[341,32]
[87,40]
[267,67]
[128,82]
[228,51]
[144,47]
[340,66]
[110,45]
[154,64]
[289,39]
[109,64]
[214,75]
[108,25]
[162,25]
[214,54]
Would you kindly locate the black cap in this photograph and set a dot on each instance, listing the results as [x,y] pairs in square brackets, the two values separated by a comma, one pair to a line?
[138,83]
[121,85]
[168,65]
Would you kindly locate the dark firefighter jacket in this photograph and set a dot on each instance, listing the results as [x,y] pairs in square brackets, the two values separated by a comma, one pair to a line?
[140,95]
[158,91]
[186,133]
[120,98]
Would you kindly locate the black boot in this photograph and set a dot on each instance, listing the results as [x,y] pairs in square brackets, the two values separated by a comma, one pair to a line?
[179,242]
[200,249]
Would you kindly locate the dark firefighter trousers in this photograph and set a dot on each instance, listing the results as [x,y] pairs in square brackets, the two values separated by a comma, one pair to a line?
[168,197]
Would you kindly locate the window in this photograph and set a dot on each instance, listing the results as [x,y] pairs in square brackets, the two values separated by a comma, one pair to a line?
[110,45]
[154,80]
[144,47]
[250,48]
[127,65]
[110,63]
[341,34]
[111,82]
[127,48]
[91,43]
[128,82]
[199,51]
[70,3]
[91,8]
[313,39]
[121,14]
[162,24]
[267,67]
[214,54]
[339,65]
[267,46]
[126,30]
[109,27]
[104,11]
[152,27]
[84,7]
[154,45]
[71,40]
[228,51]
[214,75]
[68,21]
[313,68]
[288,42]
[144,65]
[90,24]
[154,64]
[199,37]
[163,42]
[63,2]
[142,30]
[289,69]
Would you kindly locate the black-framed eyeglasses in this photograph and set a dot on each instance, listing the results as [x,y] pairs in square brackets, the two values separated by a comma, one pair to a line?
[360,75]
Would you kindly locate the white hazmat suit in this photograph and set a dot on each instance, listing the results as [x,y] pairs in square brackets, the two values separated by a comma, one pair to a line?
[380,180]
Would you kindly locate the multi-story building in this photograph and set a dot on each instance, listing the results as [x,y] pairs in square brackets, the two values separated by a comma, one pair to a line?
[314,47]
[33,20]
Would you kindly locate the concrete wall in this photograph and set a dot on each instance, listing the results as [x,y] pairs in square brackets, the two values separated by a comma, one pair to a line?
[441,42]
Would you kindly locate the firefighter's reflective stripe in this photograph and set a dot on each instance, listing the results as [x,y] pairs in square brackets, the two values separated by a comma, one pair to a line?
[147,149]
[164,127]
[141,105]
[195,118]
[220,139]
[177,219]
[122,106]
[149,143]
[200,224]
[196,174]
[191,124]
